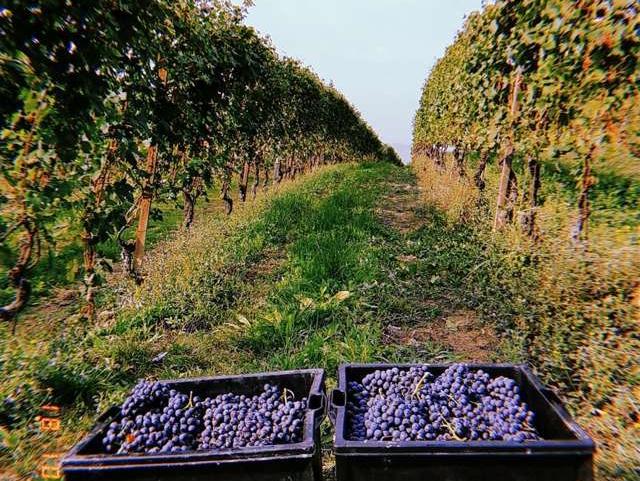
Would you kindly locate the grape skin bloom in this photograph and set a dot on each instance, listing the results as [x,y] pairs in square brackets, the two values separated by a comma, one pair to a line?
[460,404]
[156,419]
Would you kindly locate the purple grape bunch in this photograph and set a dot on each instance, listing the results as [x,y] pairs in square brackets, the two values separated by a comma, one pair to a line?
[156,419]
[145,395]
[460,404]
[233,421]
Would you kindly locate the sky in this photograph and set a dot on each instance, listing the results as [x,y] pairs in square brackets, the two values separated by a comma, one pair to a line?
[376,52]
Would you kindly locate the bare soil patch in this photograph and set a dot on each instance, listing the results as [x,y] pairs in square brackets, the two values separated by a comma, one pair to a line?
[399,208]
[272,259]
[460,331]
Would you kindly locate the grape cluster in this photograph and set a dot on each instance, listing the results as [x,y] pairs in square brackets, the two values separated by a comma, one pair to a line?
[459,404]
[156,419]
[145,395]
[233,421]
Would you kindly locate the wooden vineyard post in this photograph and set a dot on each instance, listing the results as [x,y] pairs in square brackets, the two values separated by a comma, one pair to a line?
[507,174]
[581,229]
[147,193]
[244,180]
[277,170]
[256,181]
[145,208]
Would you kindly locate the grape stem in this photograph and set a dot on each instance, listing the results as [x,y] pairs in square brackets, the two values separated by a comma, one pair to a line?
[419,385]
[284,394]
[451,430]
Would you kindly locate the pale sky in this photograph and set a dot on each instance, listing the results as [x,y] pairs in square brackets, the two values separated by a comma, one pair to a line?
[376,52]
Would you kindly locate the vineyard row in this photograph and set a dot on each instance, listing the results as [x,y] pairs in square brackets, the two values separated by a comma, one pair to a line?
[109,107]
[534,81]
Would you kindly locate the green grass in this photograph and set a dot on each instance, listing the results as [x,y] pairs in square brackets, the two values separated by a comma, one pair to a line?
[314,315]
[308,275]
[293,279]
[60,262]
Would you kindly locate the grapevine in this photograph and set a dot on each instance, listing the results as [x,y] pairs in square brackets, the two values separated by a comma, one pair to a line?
[533,82]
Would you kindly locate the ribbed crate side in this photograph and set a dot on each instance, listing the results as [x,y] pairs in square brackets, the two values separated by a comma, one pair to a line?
[564,454]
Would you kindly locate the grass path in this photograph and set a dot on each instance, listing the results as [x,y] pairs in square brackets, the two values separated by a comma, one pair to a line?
[346,264]
[338,266]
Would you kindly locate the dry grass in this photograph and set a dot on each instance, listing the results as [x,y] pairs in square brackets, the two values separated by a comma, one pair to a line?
[444,189]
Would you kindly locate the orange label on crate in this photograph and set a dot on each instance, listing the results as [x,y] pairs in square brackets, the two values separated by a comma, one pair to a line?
[51,410]
[50,468]
[48,424]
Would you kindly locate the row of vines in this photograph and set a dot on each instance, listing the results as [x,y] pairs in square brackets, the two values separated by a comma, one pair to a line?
[528,136]
[109,106]
[532,81]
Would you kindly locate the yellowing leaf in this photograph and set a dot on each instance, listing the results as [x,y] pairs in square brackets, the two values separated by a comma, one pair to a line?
[307,303]
[341,296]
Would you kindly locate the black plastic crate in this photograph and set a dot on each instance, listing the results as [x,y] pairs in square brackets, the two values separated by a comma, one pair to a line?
[564,454]
[296,462]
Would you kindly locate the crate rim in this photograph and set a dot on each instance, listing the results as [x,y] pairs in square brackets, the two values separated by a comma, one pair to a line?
[72,460]
[581,445]
[81,468]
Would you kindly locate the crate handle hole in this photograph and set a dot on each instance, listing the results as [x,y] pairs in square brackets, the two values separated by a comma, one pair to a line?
[316,401]
[338,398]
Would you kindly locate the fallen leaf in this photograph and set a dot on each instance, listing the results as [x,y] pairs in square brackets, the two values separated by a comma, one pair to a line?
[341,296]
[306,303]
